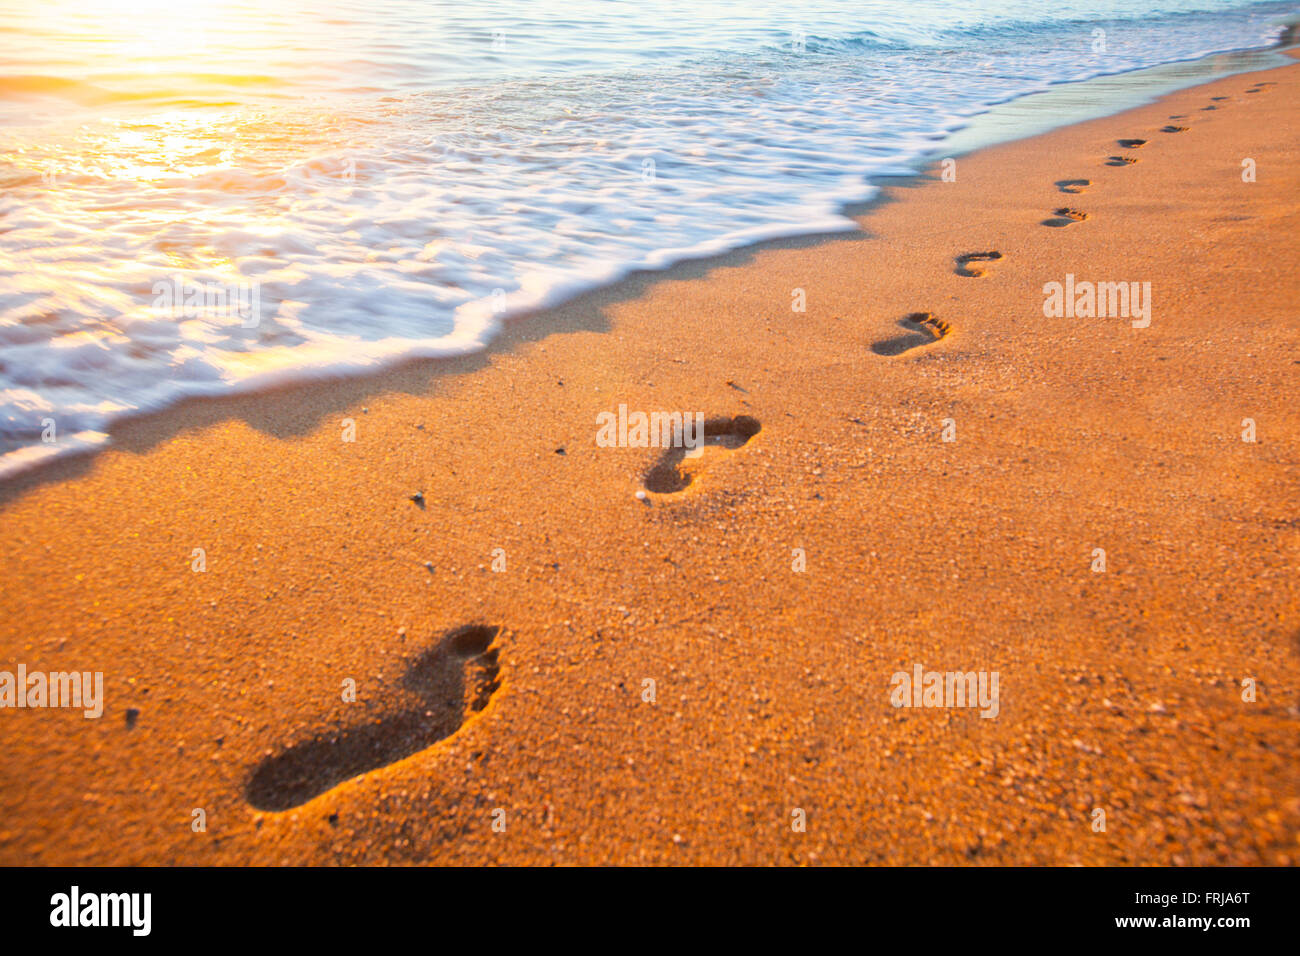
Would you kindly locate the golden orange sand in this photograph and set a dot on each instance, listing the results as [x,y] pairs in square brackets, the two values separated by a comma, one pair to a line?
[1119,690]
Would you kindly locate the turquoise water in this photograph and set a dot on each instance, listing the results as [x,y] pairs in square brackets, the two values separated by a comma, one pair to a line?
[204,196]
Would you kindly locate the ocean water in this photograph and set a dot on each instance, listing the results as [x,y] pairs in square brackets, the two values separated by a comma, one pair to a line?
[205,196]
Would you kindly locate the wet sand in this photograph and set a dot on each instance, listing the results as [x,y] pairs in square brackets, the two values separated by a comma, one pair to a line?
[485,574]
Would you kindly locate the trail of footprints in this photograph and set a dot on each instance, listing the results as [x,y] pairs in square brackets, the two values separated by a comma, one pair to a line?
[677,469]
[457,677]
[454,679]
[924,328]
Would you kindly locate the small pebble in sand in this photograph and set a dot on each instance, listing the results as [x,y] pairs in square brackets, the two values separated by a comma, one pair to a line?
[418,497]
[641,496]
[401,632]
[132,714]
[428,566]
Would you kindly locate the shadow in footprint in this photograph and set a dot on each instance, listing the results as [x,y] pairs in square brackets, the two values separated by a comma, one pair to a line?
[678,468]
[1073,186]
[1131,143]
[1174,129]
[1063,217]
[964,261]
[452,680]
[925,328]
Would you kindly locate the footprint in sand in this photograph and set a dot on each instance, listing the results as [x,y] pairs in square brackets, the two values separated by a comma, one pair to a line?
[1259,87]
[1174,129]
[1073,185]
[1063,217]
[450,682]
[923,327]
[1131,143]
[964,267]
[1220,99]
[679,466]
[1120,160]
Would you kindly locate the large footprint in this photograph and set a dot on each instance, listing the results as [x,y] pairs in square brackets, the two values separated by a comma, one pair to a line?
[964,267]
[678,467]
[1063,217]
[452,680]
[925,328]
[1073,185]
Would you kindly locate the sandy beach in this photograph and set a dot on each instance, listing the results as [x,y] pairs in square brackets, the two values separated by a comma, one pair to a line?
[425,618]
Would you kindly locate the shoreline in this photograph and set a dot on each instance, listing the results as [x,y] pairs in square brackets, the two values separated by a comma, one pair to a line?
[772,601]
[1021,117]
